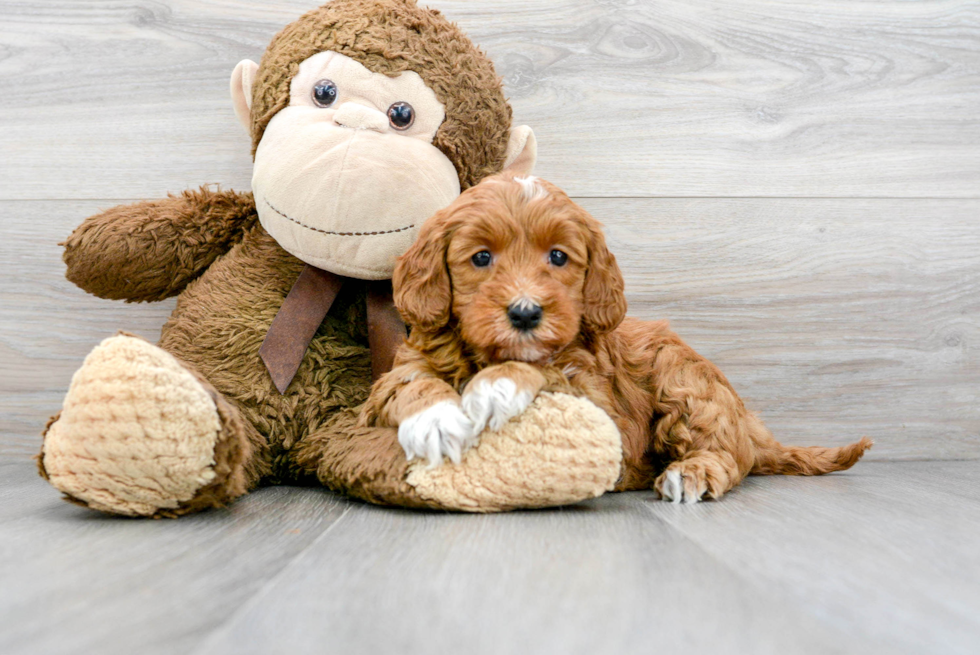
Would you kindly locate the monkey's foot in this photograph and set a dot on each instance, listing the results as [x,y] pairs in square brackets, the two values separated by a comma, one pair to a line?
[560,450]
[140,435]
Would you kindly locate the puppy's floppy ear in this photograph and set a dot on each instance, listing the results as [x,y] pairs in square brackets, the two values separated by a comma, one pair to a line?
[603,297]
[422,291]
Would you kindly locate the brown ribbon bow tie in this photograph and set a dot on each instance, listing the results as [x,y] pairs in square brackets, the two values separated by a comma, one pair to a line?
[304,309]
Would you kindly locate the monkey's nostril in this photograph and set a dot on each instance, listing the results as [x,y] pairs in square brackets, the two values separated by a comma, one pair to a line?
[525,316]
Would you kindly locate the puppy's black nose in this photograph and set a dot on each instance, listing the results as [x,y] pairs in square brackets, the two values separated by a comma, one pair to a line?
[524,316]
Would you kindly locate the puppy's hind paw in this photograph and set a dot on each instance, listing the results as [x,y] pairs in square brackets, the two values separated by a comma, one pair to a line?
[439,430]
[494,402]
[676,486]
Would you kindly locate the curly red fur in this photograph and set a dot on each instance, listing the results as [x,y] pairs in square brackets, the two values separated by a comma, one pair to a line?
[676,411]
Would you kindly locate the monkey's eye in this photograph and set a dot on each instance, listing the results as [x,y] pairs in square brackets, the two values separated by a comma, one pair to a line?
[324,93]
[557,258]
[401,115]
[481,259]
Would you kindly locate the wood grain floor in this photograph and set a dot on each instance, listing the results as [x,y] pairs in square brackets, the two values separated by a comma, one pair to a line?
[878,559]
[795,185]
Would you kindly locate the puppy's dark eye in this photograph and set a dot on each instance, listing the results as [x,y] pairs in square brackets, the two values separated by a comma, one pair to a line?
[481,259]
[324,93]
[401,115]
[557,258]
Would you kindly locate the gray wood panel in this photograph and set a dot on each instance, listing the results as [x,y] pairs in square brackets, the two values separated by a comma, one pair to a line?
[885,551]
[601,577]
[75,581]
[859,562]
[702,98]
[881,558]
[833,318]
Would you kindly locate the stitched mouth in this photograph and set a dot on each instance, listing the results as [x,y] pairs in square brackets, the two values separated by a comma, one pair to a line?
[339,234]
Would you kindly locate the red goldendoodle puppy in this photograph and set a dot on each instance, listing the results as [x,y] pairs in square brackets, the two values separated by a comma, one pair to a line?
[510,291]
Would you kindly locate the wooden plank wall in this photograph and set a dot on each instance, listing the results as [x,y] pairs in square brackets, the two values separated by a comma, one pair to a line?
[796,185]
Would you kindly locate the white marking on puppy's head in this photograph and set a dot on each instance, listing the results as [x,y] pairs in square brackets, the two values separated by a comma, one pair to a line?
[530,189]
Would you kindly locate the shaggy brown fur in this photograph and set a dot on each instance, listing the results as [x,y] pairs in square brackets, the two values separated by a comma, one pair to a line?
[231,277]
[117,257]
[388,37]
[673,407]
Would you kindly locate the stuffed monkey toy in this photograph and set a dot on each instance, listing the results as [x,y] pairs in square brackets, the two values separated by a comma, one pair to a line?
[366,117]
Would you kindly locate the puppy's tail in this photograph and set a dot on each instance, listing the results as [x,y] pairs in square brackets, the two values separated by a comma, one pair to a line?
[776,459]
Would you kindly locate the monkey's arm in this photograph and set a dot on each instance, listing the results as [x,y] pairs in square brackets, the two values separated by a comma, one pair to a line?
[151,250]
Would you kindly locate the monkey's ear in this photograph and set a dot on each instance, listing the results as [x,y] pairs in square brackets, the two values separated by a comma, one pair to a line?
[422,290]
[522,151]
[241,91]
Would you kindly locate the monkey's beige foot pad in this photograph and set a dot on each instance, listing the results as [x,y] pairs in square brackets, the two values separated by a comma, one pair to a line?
[136,433]
[561,450]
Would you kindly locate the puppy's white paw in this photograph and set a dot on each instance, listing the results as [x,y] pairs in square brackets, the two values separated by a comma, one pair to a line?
[672,488]
[442,429]
[494,403]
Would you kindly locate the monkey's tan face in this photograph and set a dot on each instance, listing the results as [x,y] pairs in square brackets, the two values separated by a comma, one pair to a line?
[346,174]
